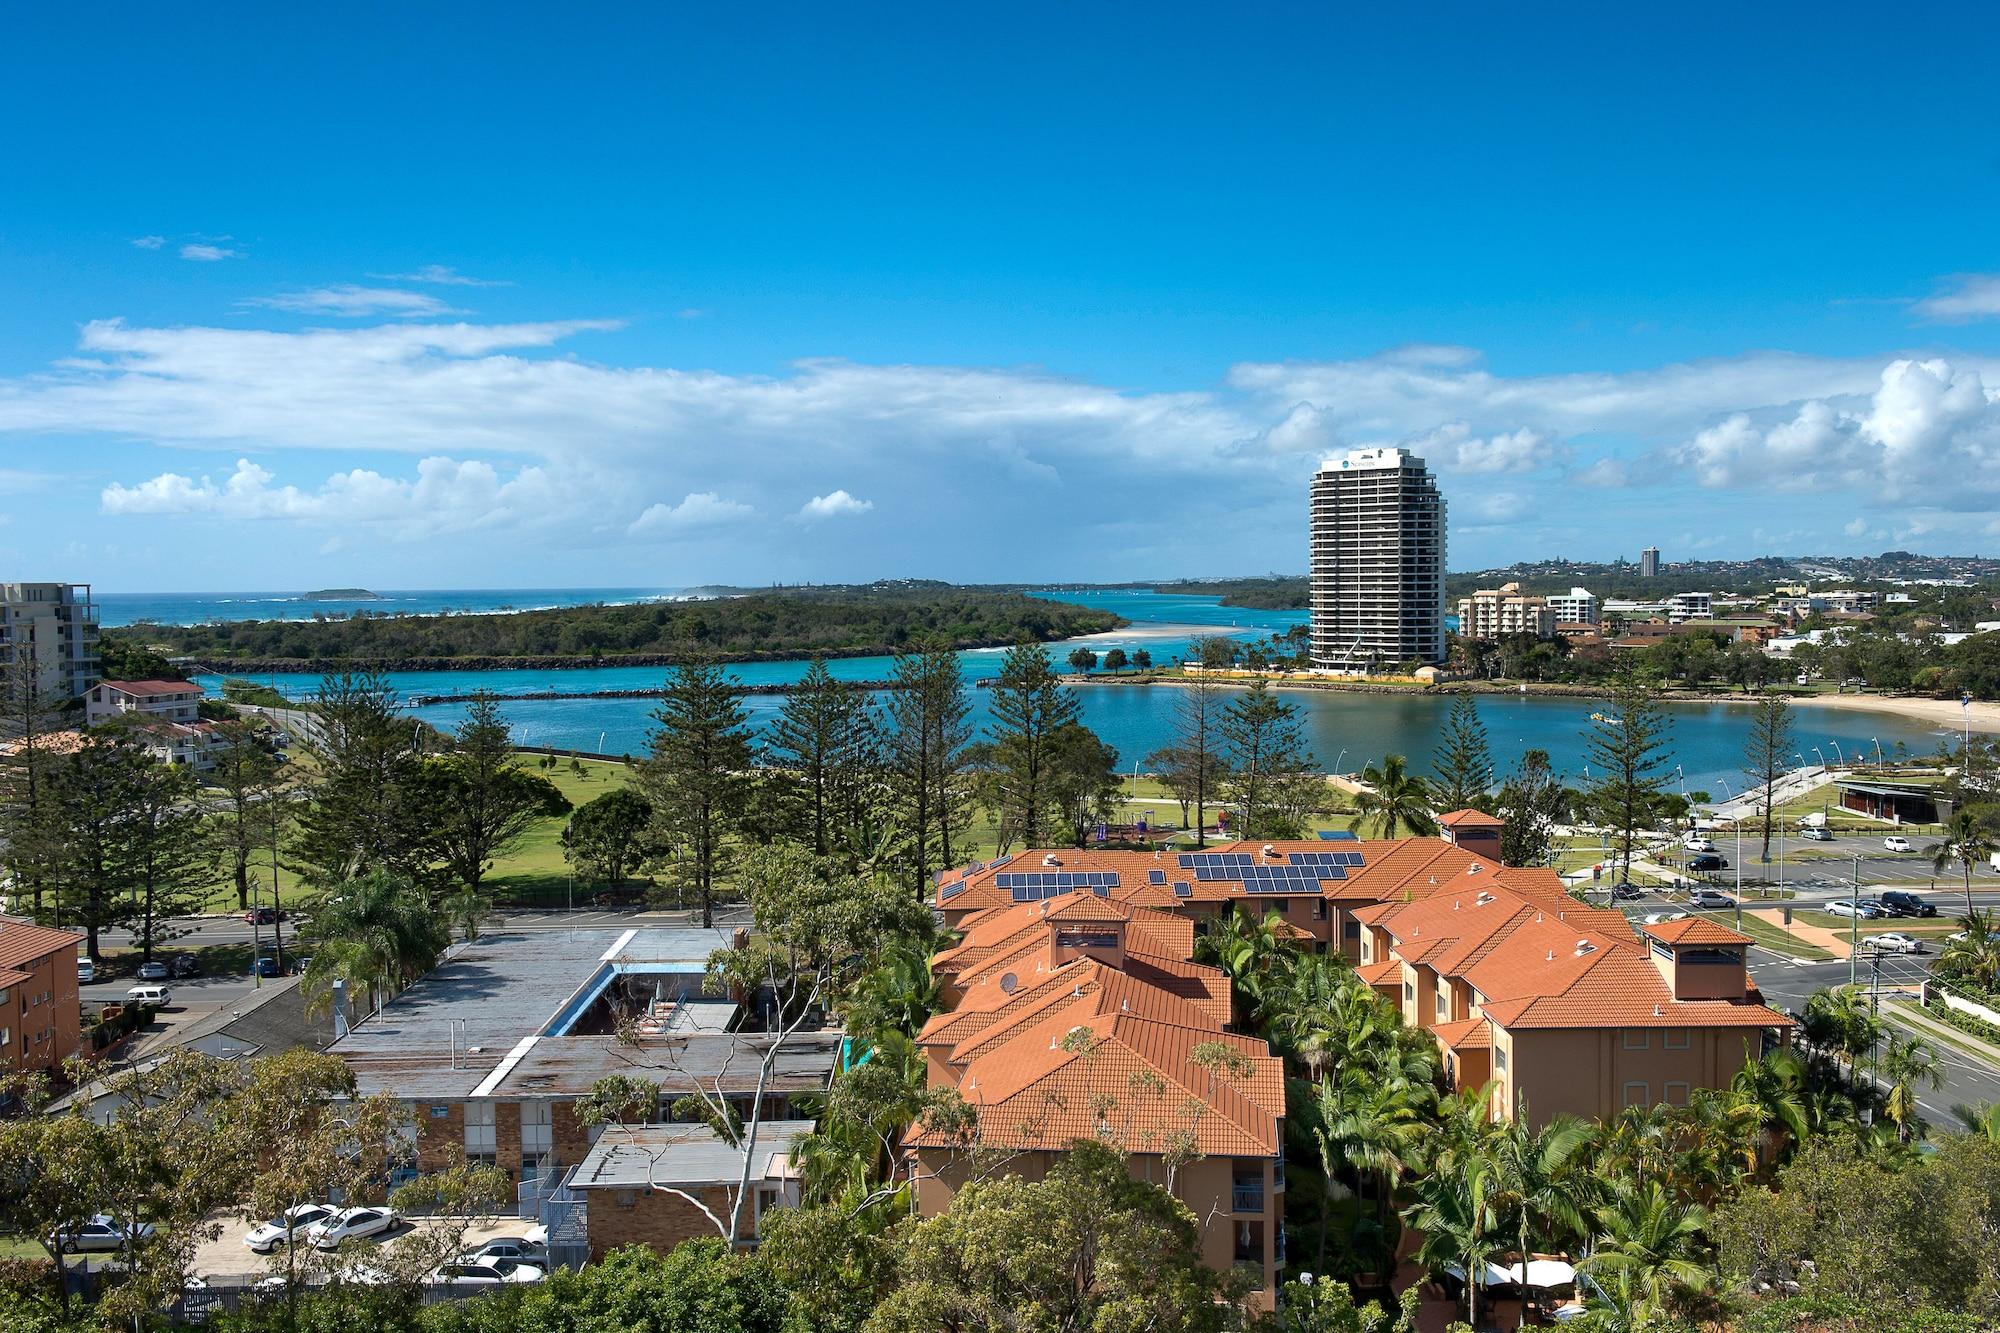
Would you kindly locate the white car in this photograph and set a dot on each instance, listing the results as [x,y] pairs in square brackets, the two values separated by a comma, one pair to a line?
[1847,907]
[1710,898]
[98,1233]
[1661,918]
[86,970]
[1895,842]
[1893,941]
[469,1269]
[1816,833]
[294,1222]
[350,1224]
[155,995]
[1696,842]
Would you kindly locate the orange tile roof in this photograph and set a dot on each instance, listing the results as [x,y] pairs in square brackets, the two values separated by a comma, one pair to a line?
[1467,1034]
[23,941]
[1471,819]
[1695,930]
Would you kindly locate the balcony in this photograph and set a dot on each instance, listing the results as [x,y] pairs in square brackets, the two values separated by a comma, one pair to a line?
[1247,1196]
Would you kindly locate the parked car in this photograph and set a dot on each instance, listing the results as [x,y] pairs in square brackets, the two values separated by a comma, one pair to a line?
[300,962]
[1661,918]
[264,916]
[510,1247]
[152,970]
[150,993]
[1901,903]
[293,1222]
[1881,908]
[184,965]
[98,1233]
[1707,861]
[266,966]
[467,1269]
[1893,941]
[1625,893]
[1816,833]
[1698,842]
[1896,842]
[1848,907]
[1710,898]
[86,971]
[350,1224]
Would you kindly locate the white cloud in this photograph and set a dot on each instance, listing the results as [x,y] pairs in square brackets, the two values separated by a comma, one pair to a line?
[834,505]
[149,242]
[445,496]
[703,510]
[442,276]
[692,312]
[351,301]
[204,253]
[1970,296]
[1453,446]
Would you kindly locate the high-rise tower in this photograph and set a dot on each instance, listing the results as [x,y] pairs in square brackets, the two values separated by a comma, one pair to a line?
[1649,563]
[1377,562]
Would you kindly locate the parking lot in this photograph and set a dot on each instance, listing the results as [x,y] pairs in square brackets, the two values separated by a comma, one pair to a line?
[227,1258]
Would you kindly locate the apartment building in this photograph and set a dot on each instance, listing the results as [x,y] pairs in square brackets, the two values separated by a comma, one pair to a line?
[1649,563]
[166,713]
[1495,613]
[41,1019]
[495,1045]
[1578,606]
[1564,1003]
[1565,1008]
[1690,606]
[1377,566]
[1079,1016]
[53,626]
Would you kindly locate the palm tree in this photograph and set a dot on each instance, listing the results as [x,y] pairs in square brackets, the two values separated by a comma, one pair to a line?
[1251,951]
[1545,1183]
[1966,842]
[1977,956]
[1455,1215]
[1839,1024]
[372,932]
[1984,1123]
[1368,1128]
[1649,1243]
[1775,1085]
[1395,801]
[1907,1062]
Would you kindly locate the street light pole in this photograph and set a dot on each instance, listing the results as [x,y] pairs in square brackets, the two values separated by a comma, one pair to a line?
[1854,921]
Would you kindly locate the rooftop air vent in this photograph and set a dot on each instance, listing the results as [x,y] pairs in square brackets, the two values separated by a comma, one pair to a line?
[1474,868]
[1583,947]
[1483,899]
[1658,1012]
[1051,860]
[1270,850]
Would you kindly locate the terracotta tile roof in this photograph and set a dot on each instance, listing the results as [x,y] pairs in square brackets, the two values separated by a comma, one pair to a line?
[1695,930]
[148,689]
[1467,1034]
[1471,819]
[23,942]
[1377,974]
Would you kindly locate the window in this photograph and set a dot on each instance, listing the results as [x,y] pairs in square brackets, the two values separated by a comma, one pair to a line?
[1443,1004]
[1677,1094]
[1350,930]
[481,1138]
[1638,1094]
[1319,909]
[1678,1039]
[1500,1059]
[1367,948]
[536,1128]
[1319,946]
[6,1037]
[1638,1039]
[1409,991]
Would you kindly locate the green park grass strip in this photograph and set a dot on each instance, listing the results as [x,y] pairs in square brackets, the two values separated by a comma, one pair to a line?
[20,1247]
[1943,1034]
[1776,939]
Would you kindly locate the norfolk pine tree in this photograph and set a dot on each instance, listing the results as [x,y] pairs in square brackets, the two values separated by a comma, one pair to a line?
[699,772]
[1463,764]
[1270,763]
[1030,705]
[1764,755]
[924,755]
[824,744]
[253,806]
[1191,763]
[1626,745]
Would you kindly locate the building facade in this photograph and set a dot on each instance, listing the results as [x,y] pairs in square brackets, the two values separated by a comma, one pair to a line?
[166,715]
[41,1018]
[1649,563]
[1578,606]
[1495,613]
[54,626]
[1690,606]
[1378,562]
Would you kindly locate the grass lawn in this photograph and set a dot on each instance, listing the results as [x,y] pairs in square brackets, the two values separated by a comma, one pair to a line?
[20,1247]
[1776,939]
[534,870]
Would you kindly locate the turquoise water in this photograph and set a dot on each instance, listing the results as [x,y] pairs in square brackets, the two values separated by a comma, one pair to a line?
[1346,730]
[199,608]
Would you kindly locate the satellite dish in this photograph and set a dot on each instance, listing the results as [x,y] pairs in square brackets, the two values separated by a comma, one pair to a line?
[1008,981]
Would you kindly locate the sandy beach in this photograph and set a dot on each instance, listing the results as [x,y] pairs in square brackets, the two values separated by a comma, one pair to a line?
[1945,713]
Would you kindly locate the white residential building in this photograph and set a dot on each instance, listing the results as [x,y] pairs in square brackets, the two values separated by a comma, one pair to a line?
[1378,541]
[166,712]
[53,625]
[1578,606]
[1690,606]
[1495,613]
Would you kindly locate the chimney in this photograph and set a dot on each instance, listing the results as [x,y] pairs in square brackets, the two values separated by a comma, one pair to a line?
[339,1008]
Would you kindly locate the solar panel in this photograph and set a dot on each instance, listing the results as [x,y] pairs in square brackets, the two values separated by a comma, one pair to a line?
[1156,877]
[999,861]
[1183,890]
[952,891]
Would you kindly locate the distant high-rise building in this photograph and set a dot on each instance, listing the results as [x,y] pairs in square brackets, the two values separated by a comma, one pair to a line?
[1649,563]
[53,625]
[1378,526]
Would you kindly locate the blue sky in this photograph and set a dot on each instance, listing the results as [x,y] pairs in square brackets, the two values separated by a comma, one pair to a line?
[510,295]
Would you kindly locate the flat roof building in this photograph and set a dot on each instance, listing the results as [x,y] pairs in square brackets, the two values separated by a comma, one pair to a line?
[1377,566]
[54,626]
[1496,613]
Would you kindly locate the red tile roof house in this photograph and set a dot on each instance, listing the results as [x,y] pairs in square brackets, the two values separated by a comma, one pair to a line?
[167,711]
[41,1020]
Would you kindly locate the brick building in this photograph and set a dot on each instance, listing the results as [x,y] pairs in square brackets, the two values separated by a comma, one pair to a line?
[41,1020]
[623,1174]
